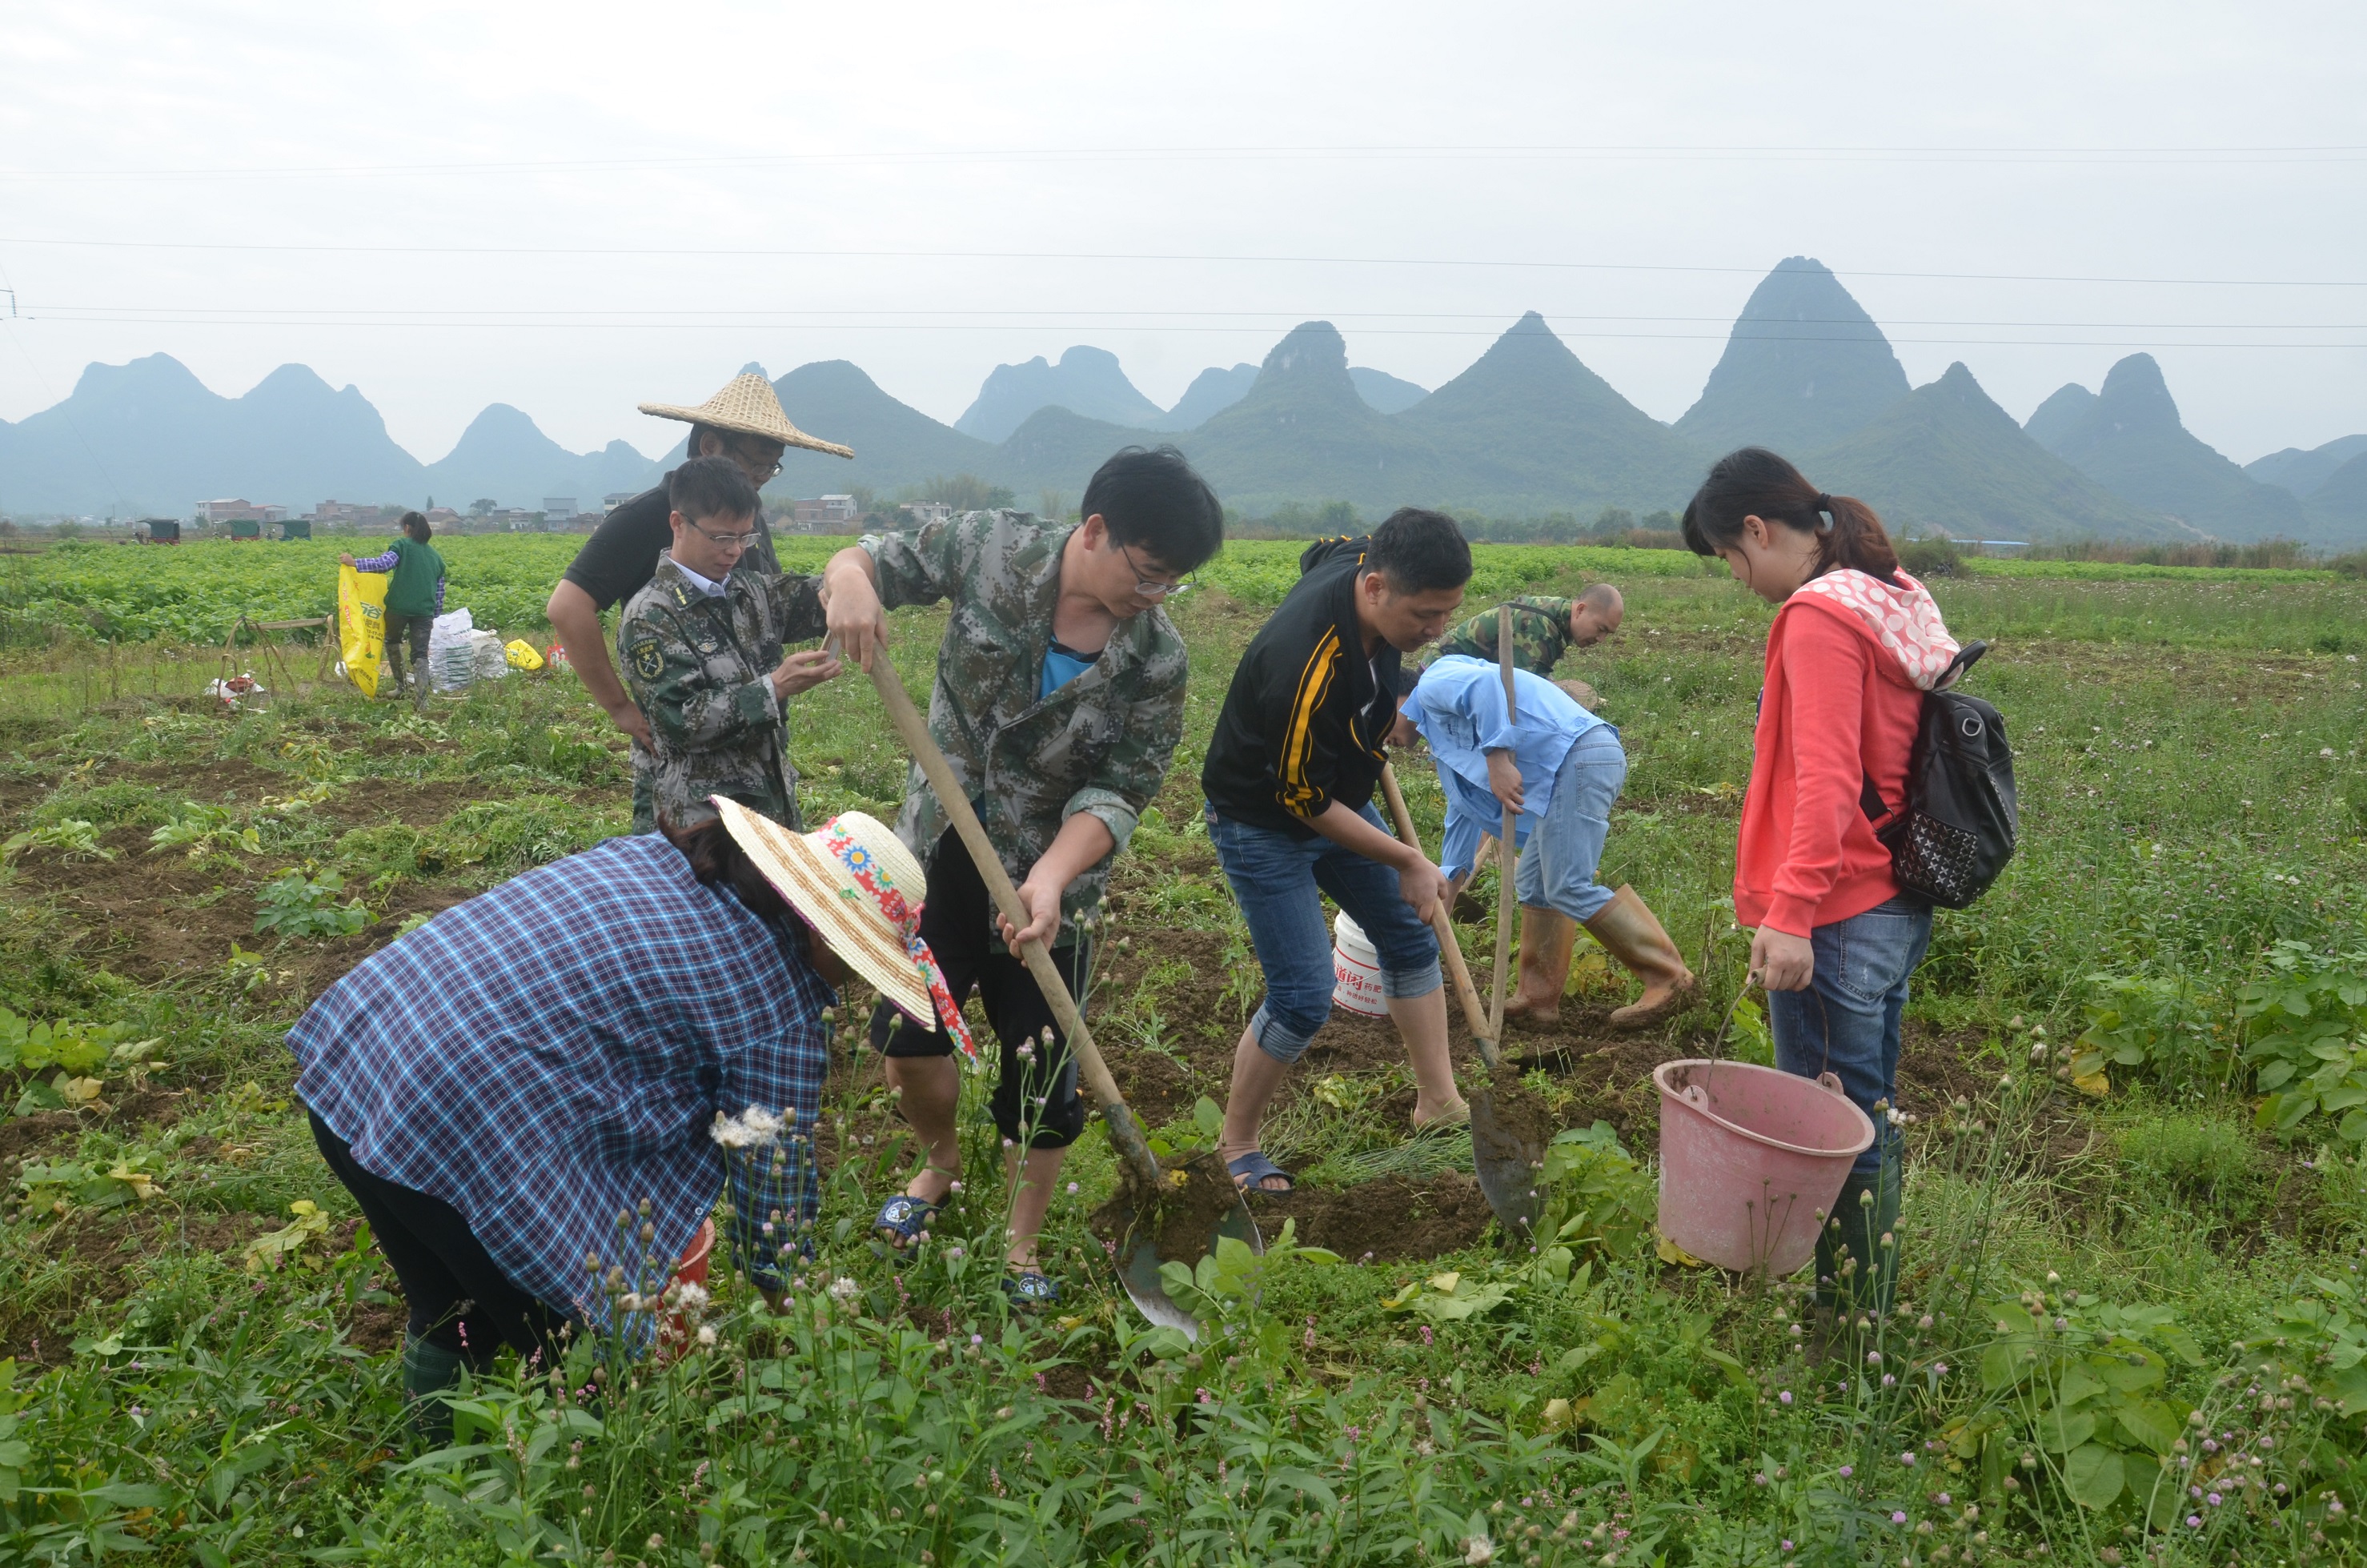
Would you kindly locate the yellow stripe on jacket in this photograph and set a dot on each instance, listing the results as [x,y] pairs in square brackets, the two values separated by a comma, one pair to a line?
[1299,736]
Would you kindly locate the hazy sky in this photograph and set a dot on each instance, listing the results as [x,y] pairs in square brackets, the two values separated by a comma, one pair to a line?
[440,202]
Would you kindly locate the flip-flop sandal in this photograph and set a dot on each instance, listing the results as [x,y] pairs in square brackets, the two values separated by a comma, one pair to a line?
[1031,1289]
[903,1220]
[1253,1170]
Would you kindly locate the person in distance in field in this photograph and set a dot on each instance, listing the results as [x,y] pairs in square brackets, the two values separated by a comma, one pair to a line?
[1855,644]
[1059,702]
[742,423]
[702,649]
[1289,778]
[536,1096]
[414,597]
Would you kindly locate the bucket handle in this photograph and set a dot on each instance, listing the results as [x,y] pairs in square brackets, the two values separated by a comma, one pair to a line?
[1832,1082]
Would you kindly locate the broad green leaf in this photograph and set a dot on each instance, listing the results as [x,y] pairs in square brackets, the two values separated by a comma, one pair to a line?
[2061,1431]
[2152,1423]
[2079,1382]
[2094,1475]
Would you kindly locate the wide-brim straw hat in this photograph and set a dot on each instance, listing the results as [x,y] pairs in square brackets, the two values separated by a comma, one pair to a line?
[861,890]
[748,406]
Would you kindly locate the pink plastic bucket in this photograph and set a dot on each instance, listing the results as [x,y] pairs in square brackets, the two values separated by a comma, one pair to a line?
[1751,1159]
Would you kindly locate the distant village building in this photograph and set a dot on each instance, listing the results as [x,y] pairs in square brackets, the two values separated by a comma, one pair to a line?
[615,499]
[334,512]
[923,513]
[824,513]
[239,511]
[558,509]
[442,519]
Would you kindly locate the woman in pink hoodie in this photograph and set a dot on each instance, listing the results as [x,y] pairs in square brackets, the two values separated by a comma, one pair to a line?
[1855,645]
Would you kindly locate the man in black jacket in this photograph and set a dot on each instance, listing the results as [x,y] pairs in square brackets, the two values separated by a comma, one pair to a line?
[1289,779]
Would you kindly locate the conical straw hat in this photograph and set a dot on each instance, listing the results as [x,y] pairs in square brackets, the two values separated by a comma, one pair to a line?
[856,885]
[751,407]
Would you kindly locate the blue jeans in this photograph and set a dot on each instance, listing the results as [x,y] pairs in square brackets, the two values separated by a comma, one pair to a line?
[1558,862]
[1848,1019]
[1279,881]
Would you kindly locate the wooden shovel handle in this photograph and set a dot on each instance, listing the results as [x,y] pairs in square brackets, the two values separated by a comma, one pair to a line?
[1507,857]
[1123,1132]
[1475,1015]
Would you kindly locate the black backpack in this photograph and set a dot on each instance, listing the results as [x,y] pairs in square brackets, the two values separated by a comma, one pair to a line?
[1956,832]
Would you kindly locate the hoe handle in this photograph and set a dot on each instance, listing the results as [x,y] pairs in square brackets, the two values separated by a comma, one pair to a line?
[1123,1132]
[1451,950]
[1507,857]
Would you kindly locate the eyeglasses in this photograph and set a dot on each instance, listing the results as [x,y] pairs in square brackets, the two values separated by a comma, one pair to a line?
[1145,587]
[759,469]
[729,541]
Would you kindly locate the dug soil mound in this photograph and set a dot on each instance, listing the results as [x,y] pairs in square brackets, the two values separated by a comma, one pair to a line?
[1180,1218]
[1391,1220]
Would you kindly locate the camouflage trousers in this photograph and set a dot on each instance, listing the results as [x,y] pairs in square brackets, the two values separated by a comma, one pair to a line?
[781,807]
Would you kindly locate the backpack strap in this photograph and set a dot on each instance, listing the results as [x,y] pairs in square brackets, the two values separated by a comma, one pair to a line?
[1869,799]
[1966,657]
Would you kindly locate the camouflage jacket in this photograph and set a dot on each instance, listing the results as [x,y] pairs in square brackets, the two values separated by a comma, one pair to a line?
[1102,743]
[700,668]
[1540,633]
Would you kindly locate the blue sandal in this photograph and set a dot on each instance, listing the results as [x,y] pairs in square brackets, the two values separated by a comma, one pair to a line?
[1253,1170]
[904,1219]
[1031,1289]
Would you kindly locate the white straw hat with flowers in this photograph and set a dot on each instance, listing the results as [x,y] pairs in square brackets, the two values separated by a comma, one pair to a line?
[748,406]
[853,881]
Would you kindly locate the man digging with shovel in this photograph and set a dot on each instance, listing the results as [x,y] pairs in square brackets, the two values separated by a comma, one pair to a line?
[1291,768]
[1058,702]
[1561,768]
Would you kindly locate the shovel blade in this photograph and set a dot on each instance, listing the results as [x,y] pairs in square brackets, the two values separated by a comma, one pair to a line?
[1138,1262]
[1507,1166]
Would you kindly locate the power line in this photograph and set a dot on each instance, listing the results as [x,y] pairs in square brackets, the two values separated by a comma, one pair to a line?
[2337,152]
[1475,332]
[1246,319]
[1211,258]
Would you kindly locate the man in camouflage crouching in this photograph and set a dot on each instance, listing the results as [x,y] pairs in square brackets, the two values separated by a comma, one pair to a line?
[692,646]
[1058,702]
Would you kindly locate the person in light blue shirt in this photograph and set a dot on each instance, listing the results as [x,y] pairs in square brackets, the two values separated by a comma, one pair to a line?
[1560,768]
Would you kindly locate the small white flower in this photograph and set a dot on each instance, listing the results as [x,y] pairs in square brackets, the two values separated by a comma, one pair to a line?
[844,1289]
[706,1335]
[1478,1549]
[761,1123]
[689,1297]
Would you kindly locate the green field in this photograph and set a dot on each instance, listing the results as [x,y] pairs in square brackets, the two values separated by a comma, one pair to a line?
[2121,1311]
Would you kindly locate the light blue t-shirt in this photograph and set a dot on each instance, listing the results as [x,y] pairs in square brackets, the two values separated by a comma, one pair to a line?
[1459,708]
[1062,664]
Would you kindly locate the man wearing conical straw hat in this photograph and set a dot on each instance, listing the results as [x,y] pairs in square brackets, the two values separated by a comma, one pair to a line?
[745,422]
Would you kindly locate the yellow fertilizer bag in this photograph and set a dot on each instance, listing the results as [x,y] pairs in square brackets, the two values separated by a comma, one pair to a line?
[361,625]
[521,654]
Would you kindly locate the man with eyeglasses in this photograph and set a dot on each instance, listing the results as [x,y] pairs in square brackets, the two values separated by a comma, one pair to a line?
[701,649]
[1059,702]
[744,423]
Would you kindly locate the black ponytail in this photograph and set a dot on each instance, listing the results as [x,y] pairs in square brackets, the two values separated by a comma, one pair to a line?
[716,857]
[1755,482]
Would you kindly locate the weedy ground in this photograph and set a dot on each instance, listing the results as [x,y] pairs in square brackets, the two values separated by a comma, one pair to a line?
[2128,1328]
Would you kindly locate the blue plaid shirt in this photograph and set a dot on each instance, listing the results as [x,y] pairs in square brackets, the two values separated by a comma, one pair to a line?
[551,1054]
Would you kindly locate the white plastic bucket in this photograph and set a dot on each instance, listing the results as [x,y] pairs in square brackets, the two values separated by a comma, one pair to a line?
[1356,968]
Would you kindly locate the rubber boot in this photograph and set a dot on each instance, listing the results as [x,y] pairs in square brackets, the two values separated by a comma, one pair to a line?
[1547,939]
[1630,933]
[430,1374]
[393,666]
[1857,1252]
